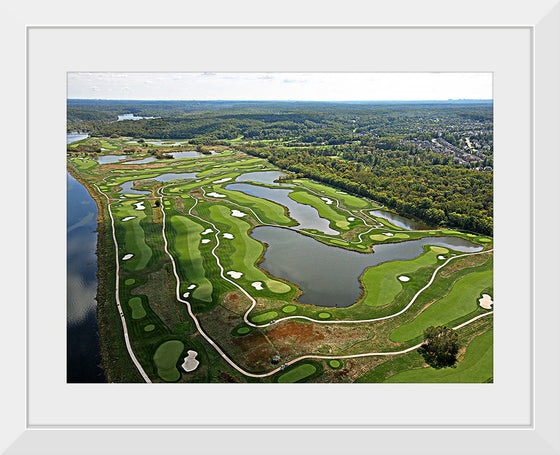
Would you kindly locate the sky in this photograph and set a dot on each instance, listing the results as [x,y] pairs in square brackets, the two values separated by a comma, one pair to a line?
[280,86]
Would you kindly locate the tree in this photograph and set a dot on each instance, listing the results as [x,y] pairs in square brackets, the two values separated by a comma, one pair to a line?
[440,347]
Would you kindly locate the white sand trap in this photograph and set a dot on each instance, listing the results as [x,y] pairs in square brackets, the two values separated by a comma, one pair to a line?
[205,241]
[327,200]
[128,218]
[192,286]
[140,206]
[351,218]
[214,194]
[404,278]
[441,258]
[227,235]
[237,213]
[388,234]
[222,180]
[207,231]
[257,285]
[341,192]
[127,256]
[190,363]
[186,295]
[235,275]
[486,302]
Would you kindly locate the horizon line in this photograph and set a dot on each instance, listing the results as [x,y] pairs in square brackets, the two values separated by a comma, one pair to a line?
[283,100]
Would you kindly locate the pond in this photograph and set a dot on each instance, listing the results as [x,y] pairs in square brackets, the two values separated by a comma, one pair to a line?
[400,221]
[150,159]
[327,275]
[75,136]
[83,358]
[266,177]
[127,186]
[188,154]
[307,216]
[109,159]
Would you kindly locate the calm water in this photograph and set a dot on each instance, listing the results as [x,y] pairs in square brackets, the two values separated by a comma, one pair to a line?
[188,154]
[305,215]
[75,136]
[327,275]
[150,159]
[266,177]
[127,186]
[109,159]
[83,352]
[400,221]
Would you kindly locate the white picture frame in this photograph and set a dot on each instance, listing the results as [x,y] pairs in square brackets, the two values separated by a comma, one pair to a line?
[35,420]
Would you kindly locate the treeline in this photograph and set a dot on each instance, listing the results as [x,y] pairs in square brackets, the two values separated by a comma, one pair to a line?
[440,195]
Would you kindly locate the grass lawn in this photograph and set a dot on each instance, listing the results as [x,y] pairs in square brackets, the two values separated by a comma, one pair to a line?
[461,300]
[381,283]
[134,238]
[298,373]
[347,199]
[265,317]
[476,366]
[166,357]
[187,252]
[325,210]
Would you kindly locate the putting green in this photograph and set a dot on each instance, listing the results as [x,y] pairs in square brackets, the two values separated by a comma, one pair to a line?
[476,366]
[439,249]
[166,357]
[129,281]
[298,373]
[378,237]
[289,308]
[334,364]
[149,328]
[401,236]
[243,330]
[277,287]
[265,317]
[483,240]
[381,283]
[461,300]
[324,315]
[138,311]
[448,231]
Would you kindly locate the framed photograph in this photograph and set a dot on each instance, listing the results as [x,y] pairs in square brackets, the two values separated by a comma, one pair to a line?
[518,411]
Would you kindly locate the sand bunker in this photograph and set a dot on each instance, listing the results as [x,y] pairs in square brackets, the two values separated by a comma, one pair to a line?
[192,286]
[186,294]
[128,218]
[127,256]
[207,231]
[486,302]
[257,285]
[441,258]
[327,200]
[205,241]
[388,234]
[235,275]
[227,235]
[139,205]
[404,278]
[351,218]
[222,180]
[213,194]
[341,192]
[237,213]
[190,363]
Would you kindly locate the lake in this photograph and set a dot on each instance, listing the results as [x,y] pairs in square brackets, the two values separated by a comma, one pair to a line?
[75,136]
[127,186]
[266,177]
[327,275]
[83,351]
[307,216]
[400,221]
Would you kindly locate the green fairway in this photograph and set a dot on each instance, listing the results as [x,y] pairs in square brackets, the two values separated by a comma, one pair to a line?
[347,199]
[289,308]
[138,311]
[265,317]
[462,300]
[166,357]
[476,366]
[381,283]
[134,236]
[325,210]
[187,245]
[298,373]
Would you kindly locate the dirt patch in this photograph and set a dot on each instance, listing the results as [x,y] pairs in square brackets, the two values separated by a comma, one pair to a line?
[463,263]
[256,348]
[297,331]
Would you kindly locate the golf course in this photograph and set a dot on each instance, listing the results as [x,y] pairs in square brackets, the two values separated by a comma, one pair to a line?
[266,276]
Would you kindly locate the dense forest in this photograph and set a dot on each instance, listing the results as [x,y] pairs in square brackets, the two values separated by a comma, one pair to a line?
[429,160]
